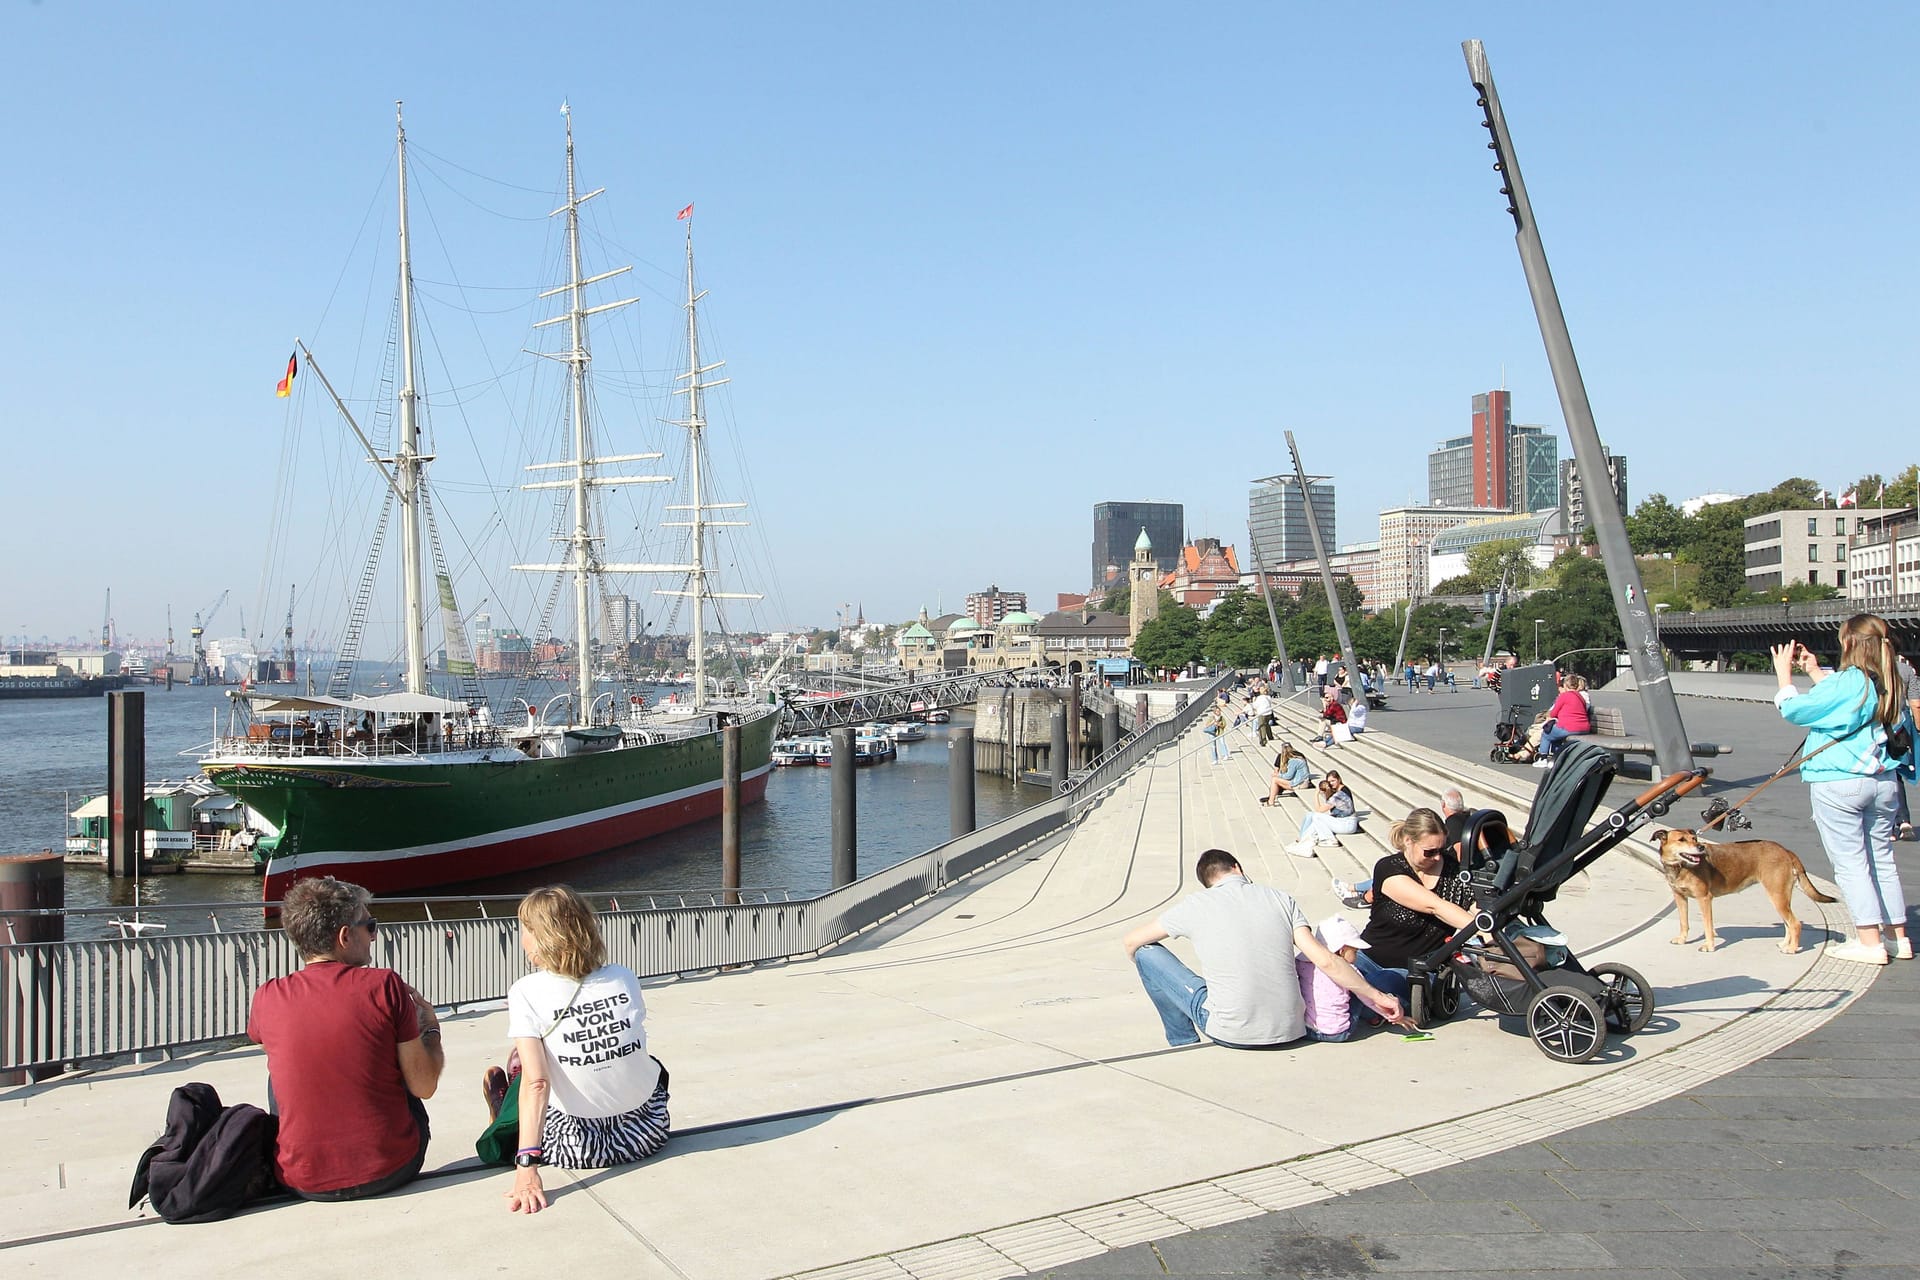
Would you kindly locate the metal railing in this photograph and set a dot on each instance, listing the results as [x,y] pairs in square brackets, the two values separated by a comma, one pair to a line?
[69,1001]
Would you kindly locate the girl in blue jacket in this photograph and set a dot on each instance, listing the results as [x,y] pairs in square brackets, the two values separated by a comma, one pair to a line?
[1855,717]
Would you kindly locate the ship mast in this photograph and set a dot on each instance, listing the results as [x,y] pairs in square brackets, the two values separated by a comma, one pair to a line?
[696,423]
[409,464]
[584,562]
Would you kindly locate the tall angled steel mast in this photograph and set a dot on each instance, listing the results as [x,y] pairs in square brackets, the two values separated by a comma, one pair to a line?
[1671,749]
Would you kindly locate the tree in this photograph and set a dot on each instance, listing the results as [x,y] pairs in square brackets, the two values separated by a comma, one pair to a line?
[1658,527]
[1171,640]
[1788,495]
[1313,595]
[1720,549]
[1579,615]
[1310,633]
[1487,563]
[1237,632]
[1119,598]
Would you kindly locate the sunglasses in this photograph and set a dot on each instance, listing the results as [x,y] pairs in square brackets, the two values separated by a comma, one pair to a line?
[371,925]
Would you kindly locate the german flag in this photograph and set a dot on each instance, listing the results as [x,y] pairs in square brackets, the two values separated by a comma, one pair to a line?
[284,387]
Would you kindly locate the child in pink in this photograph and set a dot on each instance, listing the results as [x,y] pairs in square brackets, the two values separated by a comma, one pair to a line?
[1329,1008]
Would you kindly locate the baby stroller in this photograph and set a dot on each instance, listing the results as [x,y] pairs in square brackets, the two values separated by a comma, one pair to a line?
[1525,693]
[1568,1007]
[1515,739]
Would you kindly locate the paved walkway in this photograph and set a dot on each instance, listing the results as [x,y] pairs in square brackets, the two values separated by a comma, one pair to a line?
[1803,1163]
[978,1088]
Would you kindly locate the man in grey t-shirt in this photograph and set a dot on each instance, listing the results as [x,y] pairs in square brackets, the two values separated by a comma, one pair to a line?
[1246,935]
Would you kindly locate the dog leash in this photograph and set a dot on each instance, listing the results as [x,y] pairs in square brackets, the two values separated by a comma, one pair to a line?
[1793,762]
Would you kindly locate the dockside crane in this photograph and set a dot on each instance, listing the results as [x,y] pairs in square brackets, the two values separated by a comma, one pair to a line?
[292,589]
[106,624]
[201,621]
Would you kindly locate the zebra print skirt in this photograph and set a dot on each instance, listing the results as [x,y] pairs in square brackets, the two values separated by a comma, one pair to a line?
[598,1142]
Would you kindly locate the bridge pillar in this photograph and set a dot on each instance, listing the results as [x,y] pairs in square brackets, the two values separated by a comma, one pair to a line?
[730,815]
[960,783]
[1076,745]
[845,836]
[126,782]
[1110,728]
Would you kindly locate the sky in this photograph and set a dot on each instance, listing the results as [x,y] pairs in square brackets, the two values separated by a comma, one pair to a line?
[973,268]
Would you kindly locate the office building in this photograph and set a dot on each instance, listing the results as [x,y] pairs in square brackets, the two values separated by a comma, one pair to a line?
[619,621]
[1883,558]
[1497,465]
[1573,496]
[1277,518]
[1811,545]
[1405,534]
[1116,527]
[1544,533]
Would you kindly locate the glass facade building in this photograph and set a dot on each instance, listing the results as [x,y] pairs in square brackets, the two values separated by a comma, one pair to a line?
[1277,519]
[1117,526]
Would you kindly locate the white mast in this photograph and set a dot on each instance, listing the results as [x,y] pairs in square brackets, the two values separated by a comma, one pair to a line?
[584,561]
[409,465]
[695,423]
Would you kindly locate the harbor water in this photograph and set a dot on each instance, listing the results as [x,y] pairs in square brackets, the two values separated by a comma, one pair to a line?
[53,755]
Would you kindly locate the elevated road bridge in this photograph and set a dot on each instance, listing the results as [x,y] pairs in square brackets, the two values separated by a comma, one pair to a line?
[1714,634]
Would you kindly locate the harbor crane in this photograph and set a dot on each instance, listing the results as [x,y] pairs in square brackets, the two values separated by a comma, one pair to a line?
[106,624]
[201,621]
[292,588]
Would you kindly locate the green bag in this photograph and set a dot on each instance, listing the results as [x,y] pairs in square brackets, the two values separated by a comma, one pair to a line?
[502,1138]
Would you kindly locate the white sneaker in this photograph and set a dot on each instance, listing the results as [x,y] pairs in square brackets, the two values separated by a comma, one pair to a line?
[1544,762]
[1898,948]
[1858,951]
[1342,890]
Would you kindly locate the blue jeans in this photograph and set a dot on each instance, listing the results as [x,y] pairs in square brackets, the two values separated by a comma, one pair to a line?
[1220,748]
[1550,738]
[1392,981]
[1179,996]
[1855,820]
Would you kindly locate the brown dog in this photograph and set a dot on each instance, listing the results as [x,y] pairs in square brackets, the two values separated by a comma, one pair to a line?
[1705,872]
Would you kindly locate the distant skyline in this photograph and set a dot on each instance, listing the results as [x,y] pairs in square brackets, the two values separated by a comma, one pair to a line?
[973,270]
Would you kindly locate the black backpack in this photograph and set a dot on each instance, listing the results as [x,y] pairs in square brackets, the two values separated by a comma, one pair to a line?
[210,1161]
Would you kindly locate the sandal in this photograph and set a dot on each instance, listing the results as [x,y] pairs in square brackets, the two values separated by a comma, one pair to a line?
[493,1084]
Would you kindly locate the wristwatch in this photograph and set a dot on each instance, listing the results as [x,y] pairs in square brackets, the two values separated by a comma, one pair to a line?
[528,1160]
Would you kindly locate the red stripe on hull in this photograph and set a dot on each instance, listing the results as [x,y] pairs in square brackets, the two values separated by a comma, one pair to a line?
[483,861]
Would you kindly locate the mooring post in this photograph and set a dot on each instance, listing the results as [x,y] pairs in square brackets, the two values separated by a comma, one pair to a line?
[730,815]
[28,882]
[960,783]
[1110,728]
[126,781]
[1076,732]
[1057,764]
[845,834]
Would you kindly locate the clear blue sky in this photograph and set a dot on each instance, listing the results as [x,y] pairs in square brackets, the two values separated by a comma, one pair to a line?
[974,267]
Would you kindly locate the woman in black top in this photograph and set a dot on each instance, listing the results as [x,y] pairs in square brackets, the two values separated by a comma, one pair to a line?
[1418,900]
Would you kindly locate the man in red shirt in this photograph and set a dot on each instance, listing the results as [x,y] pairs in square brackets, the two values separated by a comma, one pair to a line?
[351,1051]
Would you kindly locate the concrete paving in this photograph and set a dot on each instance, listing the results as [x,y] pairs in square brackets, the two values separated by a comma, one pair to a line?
[979,1088]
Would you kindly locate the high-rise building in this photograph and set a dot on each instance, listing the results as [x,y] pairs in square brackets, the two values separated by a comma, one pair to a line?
[1573,498]
[1533,469]
[1277,518]
[1117,525]
[1497,465]
[989,607]
[619,621]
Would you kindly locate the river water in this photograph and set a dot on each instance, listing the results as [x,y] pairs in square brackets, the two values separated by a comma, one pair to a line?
[53,755]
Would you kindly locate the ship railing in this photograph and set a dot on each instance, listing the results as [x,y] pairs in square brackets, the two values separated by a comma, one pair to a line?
[158,991]
[337,748]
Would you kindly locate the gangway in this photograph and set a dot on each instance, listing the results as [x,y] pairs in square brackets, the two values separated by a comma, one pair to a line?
[904,701]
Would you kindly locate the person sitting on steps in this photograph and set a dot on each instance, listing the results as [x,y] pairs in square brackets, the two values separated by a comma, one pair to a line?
[1334,815]
[1290,774]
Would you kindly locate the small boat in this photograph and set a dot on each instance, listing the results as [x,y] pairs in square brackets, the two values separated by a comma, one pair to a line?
[938,715]
[907,730]
[788,752]
[873,750]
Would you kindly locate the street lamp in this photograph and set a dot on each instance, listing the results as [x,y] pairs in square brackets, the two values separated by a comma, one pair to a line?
[1658,609]
[1443,649]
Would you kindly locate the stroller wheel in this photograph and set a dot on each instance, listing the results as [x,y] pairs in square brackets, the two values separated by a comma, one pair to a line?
[1417,1003]
[1446,996]
[1628,1002]
[1566,1023]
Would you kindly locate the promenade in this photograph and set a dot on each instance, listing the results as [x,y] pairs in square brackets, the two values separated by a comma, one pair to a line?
[978,1088]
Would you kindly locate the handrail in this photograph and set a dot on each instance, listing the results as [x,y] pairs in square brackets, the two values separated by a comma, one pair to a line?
[69,1001]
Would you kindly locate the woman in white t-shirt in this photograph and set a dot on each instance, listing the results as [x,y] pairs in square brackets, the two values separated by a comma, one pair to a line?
[590,1094]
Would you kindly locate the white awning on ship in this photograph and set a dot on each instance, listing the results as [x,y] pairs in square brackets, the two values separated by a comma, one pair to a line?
[94,808]
[385,704]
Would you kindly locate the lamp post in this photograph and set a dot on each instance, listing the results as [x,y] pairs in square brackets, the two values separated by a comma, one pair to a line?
[1537,624]
[1658,609]
[1443,649]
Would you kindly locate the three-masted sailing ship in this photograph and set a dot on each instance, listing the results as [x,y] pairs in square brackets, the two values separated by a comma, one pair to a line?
[410,789]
